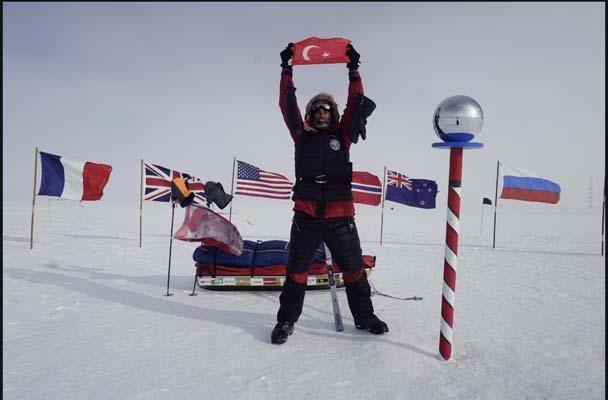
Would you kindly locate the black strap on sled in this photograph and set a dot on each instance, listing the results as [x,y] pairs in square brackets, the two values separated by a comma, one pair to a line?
[214,263]
[255,249]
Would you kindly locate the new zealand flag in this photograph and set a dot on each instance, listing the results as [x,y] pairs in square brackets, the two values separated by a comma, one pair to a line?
[419,193]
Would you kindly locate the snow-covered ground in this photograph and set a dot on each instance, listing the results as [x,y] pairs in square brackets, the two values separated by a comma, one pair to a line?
[85,316]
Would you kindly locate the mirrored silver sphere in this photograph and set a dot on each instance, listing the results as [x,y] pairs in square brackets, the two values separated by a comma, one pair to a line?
[458,119]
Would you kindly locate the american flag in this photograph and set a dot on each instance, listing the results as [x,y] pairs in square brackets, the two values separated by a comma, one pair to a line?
[398,180]
[252,181]
[158,184]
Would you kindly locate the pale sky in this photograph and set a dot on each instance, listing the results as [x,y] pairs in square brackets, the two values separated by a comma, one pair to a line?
[189,86]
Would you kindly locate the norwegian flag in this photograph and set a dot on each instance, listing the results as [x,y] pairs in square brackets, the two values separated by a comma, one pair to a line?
[158,184]
[366,188]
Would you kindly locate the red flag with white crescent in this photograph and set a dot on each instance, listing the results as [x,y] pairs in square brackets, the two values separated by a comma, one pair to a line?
[315,50]
[201,224]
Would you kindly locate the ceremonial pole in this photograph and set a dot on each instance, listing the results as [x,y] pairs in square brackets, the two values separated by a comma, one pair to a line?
[456,121]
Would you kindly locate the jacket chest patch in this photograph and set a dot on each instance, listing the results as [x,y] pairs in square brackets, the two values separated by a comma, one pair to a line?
[334,144]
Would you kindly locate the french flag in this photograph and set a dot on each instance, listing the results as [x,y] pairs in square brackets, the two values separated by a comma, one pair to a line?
[519,185]
[366,188]
[74,180]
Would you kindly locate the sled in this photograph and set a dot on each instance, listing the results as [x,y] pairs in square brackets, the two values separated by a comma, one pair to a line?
[261,266]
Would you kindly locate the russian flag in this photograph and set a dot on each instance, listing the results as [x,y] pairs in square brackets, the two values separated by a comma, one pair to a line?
[74,180]
[366,188]
[518,185]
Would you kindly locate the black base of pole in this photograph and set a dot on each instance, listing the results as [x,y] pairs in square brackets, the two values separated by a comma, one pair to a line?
[193,287]
[169,294]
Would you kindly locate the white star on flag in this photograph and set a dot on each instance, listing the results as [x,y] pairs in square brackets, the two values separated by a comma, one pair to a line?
[325,54]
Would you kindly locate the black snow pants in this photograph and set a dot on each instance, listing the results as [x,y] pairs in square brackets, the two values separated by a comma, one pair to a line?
[342,239]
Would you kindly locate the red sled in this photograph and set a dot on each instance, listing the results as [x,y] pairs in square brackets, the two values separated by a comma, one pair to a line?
[261,266]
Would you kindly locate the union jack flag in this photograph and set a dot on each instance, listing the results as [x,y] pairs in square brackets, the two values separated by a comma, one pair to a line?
[398,180]
[158,184]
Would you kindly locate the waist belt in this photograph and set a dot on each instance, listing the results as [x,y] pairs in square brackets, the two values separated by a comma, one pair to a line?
[322,179]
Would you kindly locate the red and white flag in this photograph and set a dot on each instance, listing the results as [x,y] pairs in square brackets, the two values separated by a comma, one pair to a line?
[315,50]
[366,188]
[204,225]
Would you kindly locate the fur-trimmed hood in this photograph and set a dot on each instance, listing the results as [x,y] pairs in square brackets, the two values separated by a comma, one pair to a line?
[334,110]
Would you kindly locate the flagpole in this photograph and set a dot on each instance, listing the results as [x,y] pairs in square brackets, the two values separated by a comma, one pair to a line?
[232,188]
[382,214]
[170,246]
[603,212]
[481,227]
[34,198]
[141,197]
[495,205]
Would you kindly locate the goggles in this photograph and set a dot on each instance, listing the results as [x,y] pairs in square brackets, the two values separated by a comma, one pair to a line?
[323,105]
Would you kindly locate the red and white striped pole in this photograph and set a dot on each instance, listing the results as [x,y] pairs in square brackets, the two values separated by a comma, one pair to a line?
[456,121]
[451,254]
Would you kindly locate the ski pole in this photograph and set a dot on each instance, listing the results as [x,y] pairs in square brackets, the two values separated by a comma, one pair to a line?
[194,284]
[334,292]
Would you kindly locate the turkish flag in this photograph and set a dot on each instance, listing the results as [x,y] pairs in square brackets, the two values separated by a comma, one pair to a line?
[315,50]
[204,225]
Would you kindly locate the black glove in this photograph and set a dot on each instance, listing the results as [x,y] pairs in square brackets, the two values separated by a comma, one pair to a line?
[353,56]
[216,195]
[286,55]
[363,109]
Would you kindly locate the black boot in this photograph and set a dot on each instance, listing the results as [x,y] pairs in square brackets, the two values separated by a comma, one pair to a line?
[372,324]
[281,331]
[291,300]
[359,300]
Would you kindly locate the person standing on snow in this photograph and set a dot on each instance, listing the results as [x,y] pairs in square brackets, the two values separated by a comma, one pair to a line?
[324,208]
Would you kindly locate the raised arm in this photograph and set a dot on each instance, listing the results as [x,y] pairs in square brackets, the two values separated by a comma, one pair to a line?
[355,89]
[287,96]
